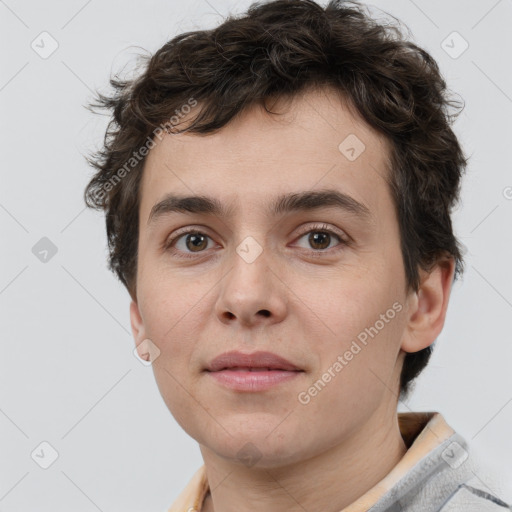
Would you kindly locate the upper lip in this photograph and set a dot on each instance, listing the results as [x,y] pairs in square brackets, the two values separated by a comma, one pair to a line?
[235,359]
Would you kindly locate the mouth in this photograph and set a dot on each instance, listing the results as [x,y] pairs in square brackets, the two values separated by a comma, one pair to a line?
[257,361]
[253,369]
[252,372]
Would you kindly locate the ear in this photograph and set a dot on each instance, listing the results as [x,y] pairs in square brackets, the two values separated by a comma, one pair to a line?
[427,307]
[138,330]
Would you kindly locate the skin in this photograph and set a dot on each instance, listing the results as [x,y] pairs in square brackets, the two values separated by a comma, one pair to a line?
[304,303]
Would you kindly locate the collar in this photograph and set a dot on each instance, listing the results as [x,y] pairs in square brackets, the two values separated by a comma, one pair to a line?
[421,431]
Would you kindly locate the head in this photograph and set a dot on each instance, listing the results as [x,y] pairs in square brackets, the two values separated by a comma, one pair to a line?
[318,141]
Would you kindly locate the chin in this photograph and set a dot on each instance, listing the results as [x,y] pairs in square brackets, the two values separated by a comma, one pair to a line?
[256,449]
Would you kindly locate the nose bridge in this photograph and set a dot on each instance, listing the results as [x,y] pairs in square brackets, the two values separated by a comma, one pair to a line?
[249,292]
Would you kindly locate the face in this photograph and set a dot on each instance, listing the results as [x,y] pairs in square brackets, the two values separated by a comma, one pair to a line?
[317,280]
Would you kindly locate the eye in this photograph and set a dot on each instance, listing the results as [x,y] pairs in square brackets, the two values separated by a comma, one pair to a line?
[186,243]
[320,238]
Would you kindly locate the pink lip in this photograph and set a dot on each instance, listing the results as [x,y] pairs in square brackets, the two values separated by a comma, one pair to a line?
[245,380]
[235,359]
[251,372]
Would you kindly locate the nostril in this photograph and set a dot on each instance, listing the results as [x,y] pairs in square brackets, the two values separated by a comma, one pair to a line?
[264,312]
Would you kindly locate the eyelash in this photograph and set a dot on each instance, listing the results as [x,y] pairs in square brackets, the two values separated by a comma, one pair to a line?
[323,228]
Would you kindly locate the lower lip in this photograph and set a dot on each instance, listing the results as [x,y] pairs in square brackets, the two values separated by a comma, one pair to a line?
[245,380]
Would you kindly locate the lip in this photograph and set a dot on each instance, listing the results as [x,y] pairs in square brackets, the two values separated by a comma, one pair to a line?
[251,372]
[235,359]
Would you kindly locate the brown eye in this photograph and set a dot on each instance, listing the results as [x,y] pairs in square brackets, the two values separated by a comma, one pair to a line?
[187,243]
[322,239]
[196,242]
[319,239]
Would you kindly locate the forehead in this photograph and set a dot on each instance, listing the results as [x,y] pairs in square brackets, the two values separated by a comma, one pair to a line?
[314,141]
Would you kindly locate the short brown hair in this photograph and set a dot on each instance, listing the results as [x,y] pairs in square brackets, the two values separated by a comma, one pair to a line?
[276,49]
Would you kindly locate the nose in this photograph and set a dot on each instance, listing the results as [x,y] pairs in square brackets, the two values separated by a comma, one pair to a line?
[251,293]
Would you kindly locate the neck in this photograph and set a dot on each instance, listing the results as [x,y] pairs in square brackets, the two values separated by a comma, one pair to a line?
[329,481]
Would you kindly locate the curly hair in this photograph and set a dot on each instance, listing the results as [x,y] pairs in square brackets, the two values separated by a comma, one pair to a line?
[280,48]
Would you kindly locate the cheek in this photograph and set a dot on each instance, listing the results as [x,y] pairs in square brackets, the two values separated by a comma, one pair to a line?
[167,294]
[356,314]
[345,301]
[165,312]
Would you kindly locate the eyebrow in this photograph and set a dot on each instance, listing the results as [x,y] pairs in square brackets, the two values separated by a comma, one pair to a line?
[298,201]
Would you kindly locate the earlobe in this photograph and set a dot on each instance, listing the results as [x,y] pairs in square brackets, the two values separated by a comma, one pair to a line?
[137,323]
[428,306]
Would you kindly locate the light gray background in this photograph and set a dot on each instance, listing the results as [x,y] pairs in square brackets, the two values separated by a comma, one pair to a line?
[67,373]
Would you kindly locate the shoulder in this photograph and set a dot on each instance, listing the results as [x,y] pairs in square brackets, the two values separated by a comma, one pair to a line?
[469,498]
